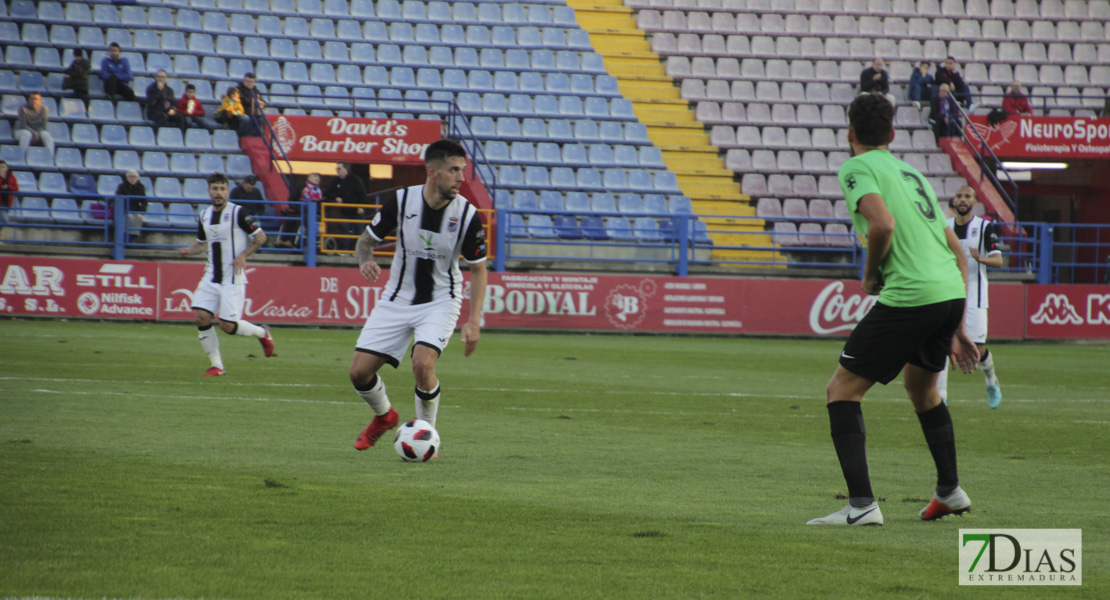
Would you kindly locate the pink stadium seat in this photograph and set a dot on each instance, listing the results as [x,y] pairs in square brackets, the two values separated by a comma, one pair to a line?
[785,234]
[795,208]
[838,236]
[708,111]
[759,113]
[806,185]
[698,21]
[722,136]
[805,114]
[837,159]
[753,184]
[713,44]
[789,161]
[813,161]
[738,159]
[768,208]
[811,234]
[779,185]
[764,160]
[840,209]
[733,112]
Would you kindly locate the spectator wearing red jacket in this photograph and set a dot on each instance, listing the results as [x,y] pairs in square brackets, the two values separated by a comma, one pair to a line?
[1015,102]
[192,111]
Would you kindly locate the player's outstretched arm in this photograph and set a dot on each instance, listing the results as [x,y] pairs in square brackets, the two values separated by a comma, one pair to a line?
[364,251]
[964,354]
[471,331]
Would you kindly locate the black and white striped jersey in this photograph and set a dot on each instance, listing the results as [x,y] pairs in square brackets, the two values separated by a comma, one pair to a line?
[429,245]
[226,231]
[983,236]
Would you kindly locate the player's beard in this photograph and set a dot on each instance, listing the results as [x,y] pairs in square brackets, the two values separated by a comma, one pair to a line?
[963,209]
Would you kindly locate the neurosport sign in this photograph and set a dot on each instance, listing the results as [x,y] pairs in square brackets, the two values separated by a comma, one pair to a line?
[354,139]
[1045,137]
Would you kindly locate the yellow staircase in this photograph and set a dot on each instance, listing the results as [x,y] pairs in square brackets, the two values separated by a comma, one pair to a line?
[672,127]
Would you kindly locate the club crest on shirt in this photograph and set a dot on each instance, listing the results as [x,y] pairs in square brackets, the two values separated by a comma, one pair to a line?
[452,225]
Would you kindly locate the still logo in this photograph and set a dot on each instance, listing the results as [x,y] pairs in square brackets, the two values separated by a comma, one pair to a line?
[1021,557]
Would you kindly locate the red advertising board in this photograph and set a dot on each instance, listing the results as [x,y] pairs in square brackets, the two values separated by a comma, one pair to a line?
[354,139]
[1044,137]
[1068,311]
[47,286]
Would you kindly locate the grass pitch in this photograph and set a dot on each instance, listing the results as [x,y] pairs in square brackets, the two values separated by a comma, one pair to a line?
[573,466]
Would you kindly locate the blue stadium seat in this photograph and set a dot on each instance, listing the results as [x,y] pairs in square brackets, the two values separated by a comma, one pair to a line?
[336,8]
[85,134]
[97,160]
[348,31]
[155,216]
[256,47]
[182,215]
[467,58]
[196,188]
[282,49]
[241,24]
[170,139]
[62,35]
[72,109]
[126,160]
[78,13]
[389,9]
[593,228]
[48,183]
[19,56]
[516,226]
[168,188]
[589,179]
[38,157]
[23,9]
[551,200]
[322,29]
[296,27]
[154,163]
[32,209]
[47,59]
[115,136]
[210,163]
[655,203]
[80,183]
[309,50]
[225,140]
[618,228]
[238,165]
[189,20]
[566,228]
[629,202]
[141,137]
[680,205]
[362,8]
[129,15]
[497,151]
[541,226]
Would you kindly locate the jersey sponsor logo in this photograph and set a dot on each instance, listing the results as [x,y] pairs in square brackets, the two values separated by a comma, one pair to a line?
[834,312]
[452,225]
[429,240]
[1056,310]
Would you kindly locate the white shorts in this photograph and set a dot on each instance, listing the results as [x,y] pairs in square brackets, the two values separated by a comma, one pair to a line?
[975,321]
[391,327]
[224,300]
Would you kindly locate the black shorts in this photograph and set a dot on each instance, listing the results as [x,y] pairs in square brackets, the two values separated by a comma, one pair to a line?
[889,337]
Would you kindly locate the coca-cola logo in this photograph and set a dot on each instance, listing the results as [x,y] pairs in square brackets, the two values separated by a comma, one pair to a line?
[833,312]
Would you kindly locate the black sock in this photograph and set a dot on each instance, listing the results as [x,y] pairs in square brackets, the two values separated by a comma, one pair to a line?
[850,440]
[985,356]
[937,426]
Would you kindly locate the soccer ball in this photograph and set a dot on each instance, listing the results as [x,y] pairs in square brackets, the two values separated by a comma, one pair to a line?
[416,441]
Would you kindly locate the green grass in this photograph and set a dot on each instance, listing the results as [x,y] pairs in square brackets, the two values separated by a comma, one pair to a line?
[573,466]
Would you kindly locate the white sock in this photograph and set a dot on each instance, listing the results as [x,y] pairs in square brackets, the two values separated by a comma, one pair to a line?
[375,396]
[427,405]
[248,329]
[987,365]
[211,344]
[942,382]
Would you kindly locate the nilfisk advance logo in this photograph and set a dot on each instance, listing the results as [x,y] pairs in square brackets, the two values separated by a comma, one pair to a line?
[1021,557]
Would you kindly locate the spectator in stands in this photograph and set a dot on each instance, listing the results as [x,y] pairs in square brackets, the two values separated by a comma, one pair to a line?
[875,80]
[161,107]
[248,190]
[1015,102]
[192,111]
[921,84]
[132,192]
[30,127]
[231,112]
[348,189]
[308,192]
[8,183]
[115,72]
[252,101]
[950,74]
[77,76]
[944,114]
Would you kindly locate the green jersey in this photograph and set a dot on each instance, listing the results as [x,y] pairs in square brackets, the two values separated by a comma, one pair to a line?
[920,269]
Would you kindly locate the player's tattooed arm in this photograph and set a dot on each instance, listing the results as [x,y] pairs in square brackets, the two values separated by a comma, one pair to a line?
[257,240]
[364,250]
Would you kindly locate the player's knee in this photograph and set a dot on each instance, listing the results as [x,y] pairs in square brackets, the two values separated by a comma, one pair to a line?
[227,327]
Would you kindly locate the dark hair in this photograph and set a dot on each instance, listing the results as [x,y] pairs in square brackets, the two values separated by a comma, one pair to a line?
[441,150]
[189,86]
[114,45]
[951,58]
[871,116]
[78,53]
[346,165]
[4,162]
[231,89]
[216,178]
[249,75]
[251,179]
